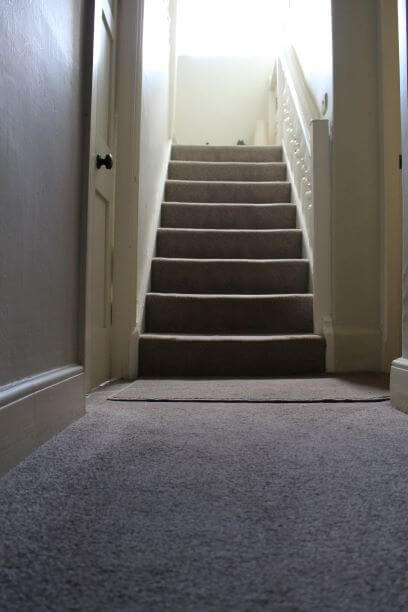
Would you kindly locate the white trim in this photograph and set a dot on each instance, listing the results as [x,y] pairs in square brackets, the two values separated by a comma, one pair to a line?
[300,219]
[25,386]
[399,384]
[322,231]
[43,405]
[390,183]
[100,7]
[328,334]
[129,104]
[144,285]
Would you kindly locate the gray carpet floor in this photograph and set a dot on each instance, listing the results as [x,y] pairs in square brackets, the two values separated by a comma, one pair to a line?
[190,507]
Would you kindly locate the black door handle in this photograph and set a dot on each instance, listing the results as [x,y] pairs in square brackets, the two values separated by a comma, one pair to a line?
[106,161]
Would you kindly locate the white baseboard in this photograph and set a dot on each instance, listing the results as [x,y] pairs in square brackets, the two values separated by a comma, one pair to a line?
[36,408]
[399,384]
[328,334]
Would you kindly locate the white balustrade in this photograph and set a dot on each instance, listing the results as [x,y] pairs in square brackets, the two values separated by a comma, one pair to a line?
[305,140]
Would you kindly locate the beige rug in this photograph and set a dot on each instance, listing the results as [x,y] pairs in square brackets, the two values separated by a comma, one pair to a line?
[344,388]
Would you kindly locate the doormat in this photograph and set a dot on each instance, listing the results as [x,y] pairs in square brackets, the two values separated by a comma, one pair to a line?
[344,388]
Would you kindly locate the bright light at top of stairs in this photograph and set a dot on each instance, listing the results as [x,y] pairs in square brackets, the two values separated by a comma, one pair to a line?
[230,27]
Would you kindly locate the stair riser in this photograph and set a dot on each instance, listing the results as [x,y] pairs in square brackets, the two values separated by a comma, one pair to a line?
[196,171]
[222,315]
[286,244]
[226,154]
[234,192]
[183,357]
[224,216]
[230,277]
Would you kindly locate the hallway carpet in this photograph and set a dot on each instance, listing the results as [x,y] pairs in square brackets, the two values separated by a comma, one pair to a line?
[192,507]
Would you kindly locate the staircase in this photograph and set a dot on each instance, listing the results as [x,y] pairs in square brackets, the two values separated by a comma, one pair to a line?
[229,288]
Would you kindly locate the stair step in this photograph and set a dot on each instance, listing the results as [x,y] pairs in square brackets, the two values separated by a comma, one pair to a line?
[229,314]
[228,216]
[198,355]
[228,191]
[230,275]
[229,244]
[227,171]
[243,153]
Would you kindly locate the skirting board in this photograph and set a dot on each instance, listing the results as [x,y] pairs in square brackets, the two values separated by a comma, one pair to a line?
[399,384]
[36,412]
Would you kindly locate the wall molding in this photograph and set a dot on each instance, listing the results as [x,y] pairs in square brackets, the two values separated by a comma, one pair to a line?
[25,386]
[399,384]
[37,408]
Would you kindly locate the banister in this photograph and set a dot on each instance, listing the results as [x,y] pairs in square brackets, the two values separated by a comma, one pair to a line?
[305,105]
[305,139]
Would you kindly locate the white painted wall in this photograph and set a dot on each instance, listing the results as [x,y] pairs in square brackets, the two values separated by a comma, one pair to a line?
[310,31]
[154,134]
[219,99]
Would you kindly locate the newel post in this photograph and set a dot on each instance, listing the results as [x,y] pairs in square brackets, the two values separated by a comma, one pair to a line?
[322,282]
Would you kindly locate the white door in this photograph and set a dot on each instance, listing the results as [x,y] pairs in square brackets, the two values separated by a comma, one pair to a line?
[101,197]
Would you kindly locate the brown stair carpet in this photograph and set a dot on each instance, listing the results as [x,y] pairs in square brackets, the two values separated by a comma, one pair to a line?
[229,287]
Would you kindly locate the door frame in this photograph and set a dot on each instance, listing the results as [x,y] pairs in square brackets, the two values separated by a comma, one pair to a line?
[399,369]
[390,191]
[129,108]
[127,96]
[90,182]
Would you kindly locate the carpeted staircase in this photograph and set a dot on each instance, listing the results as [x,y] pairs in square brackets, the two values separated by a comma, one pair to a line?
[229,288]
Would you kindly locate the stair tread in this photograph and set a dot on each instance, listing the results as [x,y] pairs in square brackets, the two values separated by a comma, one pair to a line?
[227,191]
[239,147]
[230,276]
[237,205]
[231,296]
[215,230]
[214,260]
[229,243]
[233,337]
[226,153]
[227,171]
[174,162]
[215,183]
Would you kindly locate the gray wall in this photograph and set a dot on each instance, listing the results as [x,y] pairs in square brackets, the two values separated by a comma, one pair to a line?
[40,176]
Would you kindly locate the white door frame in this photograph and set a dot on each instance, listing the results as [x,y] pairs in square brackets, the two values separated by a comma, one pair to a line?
[399,370]
[390,181]
[128,109]
[97,7]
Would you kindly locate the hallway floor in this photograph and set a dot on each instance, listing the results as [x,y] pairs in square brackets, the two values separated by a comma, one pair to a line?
[194,506]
